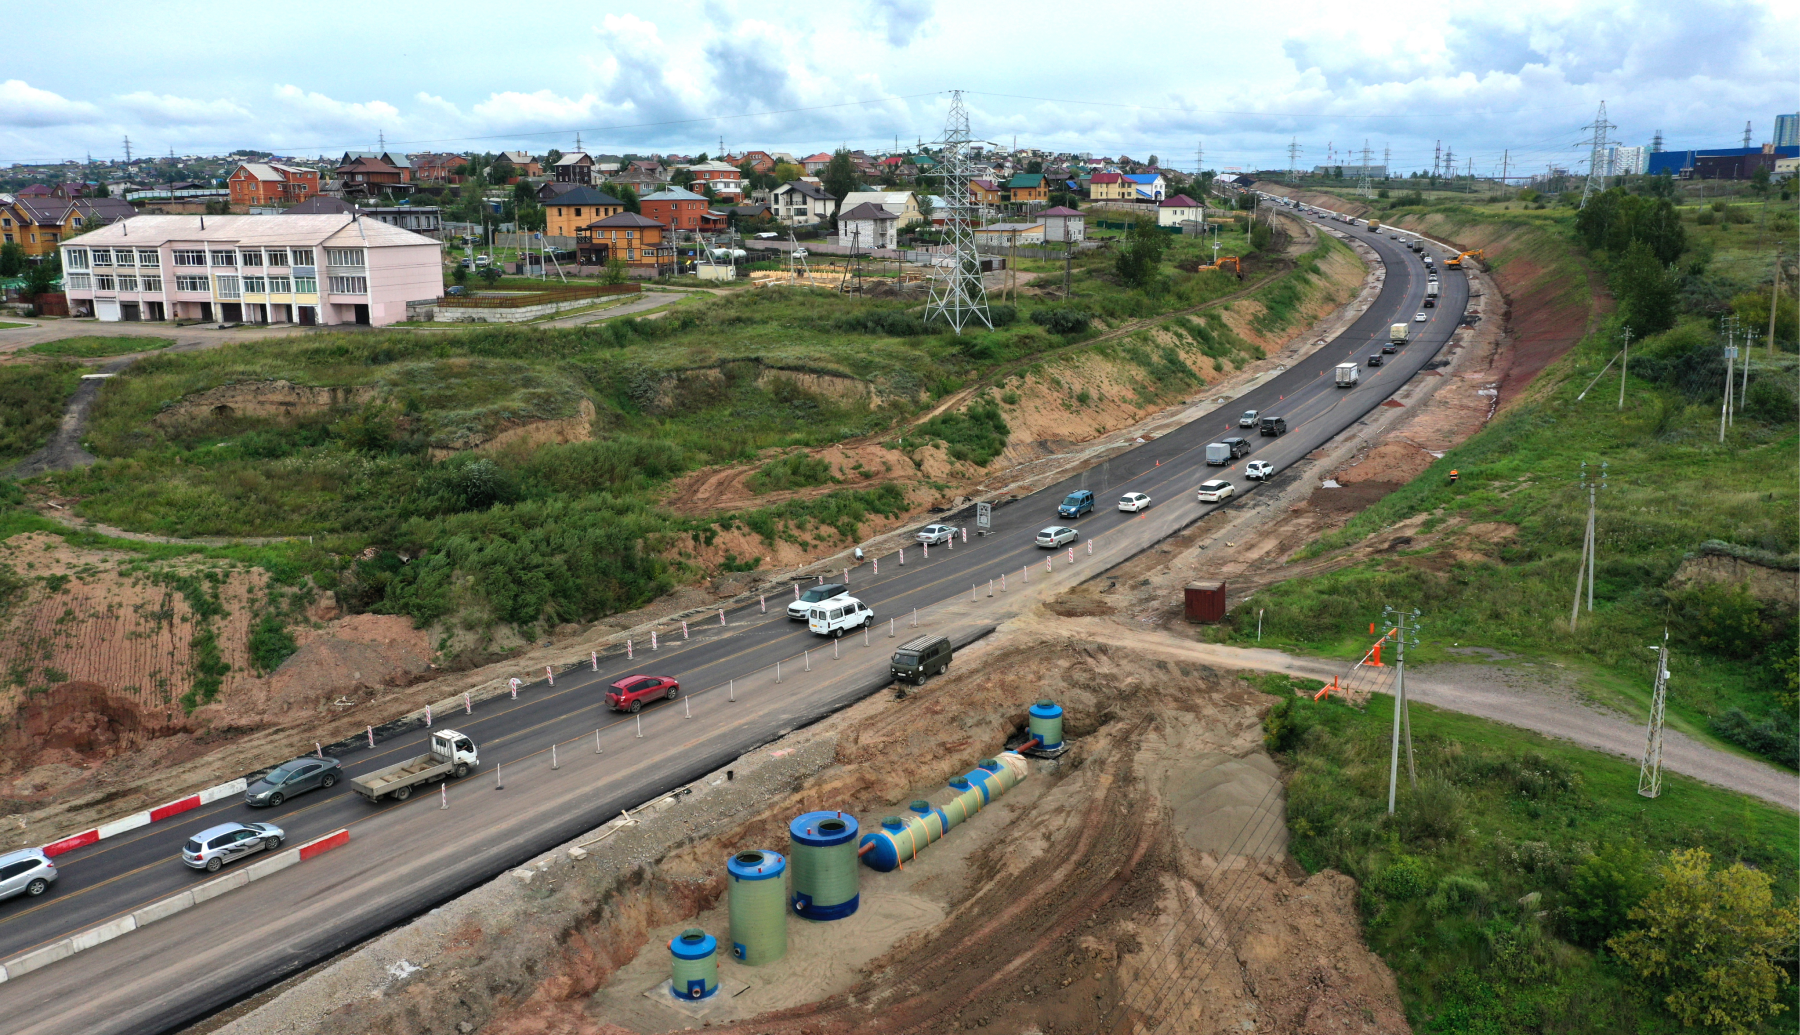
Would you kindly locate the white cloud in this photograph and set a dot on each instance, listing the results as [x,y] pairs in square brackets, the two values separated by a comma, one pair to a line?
[25,106]
[167,110]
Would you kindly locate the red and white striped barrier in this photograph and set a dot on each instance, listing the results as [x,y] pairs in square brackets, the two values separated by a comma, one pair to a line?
[145,818]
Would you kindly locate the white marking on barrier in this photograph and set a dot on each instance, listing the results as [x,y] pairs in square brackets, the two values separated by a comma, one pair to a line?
[721,616]
[120,826]
[549,676]
[876,562]
[443,796]
[684,632]
[594,659]
[1071,555]
[1090,548]
[965,533]
[653,639]
[468,707]
[428,715]
[796,591]
[927,548]
[628,654]
[371,738]
[318,752]
[903,557]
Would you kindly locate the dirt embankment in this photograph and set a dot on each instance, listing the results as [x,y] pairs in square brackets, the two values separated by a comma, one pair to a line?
[1141,875]
[102,652]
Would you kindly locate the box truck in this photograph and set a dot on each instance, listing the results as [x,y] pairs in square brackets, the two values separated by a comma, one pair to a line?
[1431,295]
[1348,374]
[1397,334]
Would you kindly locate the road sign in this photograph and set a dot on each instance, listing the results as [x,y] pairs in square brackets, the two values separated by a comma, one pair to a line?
[984,516]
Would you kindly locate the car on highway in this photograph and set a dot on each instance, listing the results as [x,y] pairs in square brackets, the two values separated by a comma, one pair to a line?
[1132,502]
[1389,349]
[803,604]
[228,842]
[1075,504]
[1375,359]
[834,617]
[1274,426]
[1216,491]
[1248,420]
[630,693]
[1260,470]
[931,535]
[290,778]
[1419,318]
[27,872]
[1057,535]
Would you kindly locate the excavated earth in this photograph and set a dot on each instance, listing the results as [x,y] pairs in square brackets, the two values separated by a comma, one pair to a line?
[1140,879]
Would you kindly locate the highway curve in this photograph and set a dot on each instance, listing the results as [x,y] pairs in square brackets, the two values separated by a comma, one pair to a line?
[405,858]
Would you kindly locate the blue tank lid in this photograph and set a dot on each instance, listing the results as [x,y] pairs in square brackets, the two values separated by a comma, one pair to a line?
[921,806]
[961,783]
[992,765]
[823,829]
[756,864]
[693,944]
[1046,709]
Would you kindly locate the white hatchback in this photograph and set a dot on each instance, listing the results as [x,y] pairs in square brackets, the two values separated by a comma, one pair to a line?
[1259,469]
[1132,502]
[1215,491]
[1057,535]
[834,617]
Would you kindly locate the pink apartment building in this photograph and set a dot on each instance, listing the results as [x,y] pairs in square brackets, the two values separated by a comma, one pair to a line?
[302,269]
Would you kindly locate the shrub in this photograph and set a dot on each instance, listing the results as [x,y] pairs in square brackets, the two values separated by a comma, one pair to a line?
[1775,735]
[1062,319]
[1286,723]
[1603,890]
[794,471]
[1458,893]
[975,435]
[1405,878]
[270,644]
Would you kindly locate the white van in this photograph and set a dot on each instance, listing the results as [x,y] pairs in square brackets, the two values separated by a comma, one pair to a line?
[833,617]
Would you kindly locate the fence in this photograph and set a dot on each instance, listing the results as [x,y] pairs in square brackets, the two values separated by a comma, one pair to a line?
[536,298]
[533,242]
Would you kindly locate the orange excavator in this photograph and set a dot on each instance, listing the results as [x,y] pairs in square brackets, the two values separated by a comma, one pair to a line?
[1231,261]
[1456,263]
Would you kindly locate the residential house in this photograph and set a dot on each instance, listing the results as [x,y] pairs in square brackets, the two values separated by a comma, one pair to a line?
[1063,224]
[648,166]
[868,225]
[522,161]
[374,176]
[1028,189]
[815,164]
[551,189]
[1179,209]
[760,161]
[986,192]
[39,222]
[632,239]
[308,269]
[436,168]
[724,179]
[420,219]
[574,167]
[384,157]
[1109,186]
[677,209]
[801,203]
[738,215]
[901,203]
[1145,186]
[266,183]
[641,183]
[1002,235]
[571,210]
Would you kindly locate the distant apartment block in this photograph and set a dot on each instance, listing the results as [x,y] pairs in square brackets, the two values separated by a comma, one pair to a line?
[301,269]
[1787,131]
[1624,161]
[270,183]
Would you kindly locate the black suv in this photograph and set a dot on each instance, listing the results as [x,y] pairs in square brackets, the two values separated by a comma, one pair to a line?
[1274,425]
[1238,446]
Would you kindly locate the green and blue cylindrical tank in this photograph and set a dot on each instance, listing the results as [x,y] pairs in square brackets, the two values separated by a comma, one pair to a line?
[757,901]
[822,854]
[693,964]
[1046,724]
[899,839]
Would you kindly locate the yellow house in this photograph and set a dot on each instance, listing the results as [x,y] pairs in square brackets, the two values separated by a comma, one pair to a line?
[1110,187]
[39,222]
[567,213]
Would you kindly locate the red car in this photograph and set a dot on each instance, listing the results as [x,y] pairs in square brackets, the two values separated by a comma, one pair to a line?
[630,693]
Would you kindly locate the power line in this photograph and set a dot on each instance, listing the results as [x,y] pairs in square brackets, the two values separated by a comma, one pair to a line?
[1265,114]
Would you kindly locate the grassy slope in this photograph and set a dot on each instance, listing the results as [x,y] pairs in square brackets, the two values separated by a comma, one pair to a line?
[1516,813]
[31,404]
[1672,486]
[95,346]
[564,532]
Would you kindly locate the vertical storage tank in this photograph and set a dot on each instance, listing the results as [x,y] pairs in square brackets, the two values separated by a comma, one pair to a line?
[693,964]
[822,850]
[757,901]
[1046,724]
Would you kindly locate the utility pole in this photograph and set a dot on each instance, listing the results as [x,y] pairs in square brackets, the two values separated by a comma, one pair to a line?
[1774,295]
[1293,157]
[1387,163]
[1589,547]
[1650,770]
[1747,132]
[1730,359]
[1403,631]
[128,149]
[1623,367]
[1505,159]
[1364,184]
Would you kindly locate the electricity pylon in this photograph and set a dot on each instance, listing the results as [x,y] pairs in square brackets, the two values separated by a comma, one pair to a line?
[959,296]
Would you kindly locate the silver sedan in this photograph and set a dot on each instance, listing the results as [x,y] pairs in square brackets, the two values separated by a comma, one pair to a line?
[1057,535]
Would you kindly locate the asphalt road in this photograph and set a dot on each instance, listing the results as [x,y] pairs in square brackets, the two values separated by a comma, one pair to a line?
[127,985]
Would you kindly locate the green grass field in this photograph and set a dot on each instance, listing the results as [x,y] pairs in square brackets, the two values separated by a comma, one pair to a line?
[31,404]
[1472,890]
[98,346]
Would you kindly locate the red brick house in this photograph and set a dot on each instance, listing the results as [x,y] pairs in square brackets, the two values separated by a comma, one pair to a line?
[267,183]
[676,209]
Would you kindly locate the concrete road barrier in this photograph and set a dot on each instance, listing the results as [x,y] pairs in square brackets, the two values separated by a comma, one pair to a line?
[167,907]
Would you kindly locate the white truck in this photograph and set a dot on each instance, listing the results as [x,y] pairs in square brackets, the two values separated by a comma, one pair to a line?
[451,754]
[1348,374]
[1397,334]
[1431,295]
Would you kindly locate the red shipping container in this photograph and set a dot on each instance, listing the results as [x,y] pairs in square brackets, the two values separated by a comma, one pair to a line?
[1205,601]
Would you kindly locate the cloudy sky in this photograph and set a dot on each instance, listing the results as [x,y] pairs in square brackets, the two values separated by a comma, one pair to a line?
[1487,80]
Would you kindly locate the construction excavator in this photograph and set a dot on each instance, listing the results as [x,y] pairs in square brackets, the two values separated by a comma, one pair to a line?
[1230,261]
[1457,262]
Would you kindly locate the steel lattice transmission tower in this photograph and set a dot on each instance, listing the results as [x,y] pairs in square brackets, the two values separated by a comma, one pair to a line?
[1650,771]
[1363,186]
[1596,180]
[959,295]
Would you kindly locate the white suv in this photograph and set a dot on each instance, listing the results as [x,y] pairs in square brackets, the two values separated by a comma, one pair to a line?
[1259,469]
[1132,502]
[833,617]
